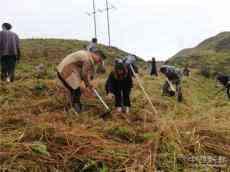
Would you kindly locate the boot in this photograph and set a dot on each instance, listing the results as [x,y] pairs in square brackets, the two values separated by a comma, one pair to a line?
[77,107]
[75,100]
[3,77]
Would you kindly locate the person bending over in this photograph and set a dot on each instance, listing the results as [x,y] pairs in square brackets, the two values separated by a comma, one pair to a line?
[173,76]
[75,68]
[225,81]
[119,84]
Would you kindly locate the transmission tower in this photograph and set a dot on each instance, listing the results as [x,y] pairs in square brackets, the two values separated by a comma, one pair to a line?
[107,9]
[94,18]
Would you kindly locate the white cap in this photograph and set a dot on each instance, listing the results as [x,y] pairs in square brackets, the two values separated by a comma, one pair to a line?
[131,59]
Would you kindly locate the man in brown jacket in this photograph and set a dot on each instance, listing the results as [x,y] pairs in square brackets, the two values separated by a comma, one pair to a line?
[9,52]
[77,67]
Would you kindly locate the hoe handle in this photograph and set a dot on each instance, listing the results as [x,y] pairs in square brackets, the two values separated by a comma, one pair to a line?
[101,100]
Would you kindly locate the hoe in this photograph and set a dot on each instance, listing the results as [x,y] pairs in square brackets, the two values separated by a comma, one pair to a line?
[108,110]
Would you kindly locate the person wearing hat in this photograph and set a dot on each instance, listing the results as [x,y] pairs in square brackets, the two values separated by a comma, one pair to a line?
[9,52]
[130,62]
[174,76]
[119,84]
[75,68]
[92,45]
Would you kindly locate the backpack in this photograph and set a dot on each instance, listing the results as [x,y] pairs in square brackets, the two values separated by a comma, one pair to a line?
[224,79]
[172,72]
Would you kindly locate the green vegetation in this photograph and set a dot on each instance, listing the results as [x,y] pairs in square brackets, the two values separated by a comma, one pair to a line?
[213,53]
[40,132]
[51,51]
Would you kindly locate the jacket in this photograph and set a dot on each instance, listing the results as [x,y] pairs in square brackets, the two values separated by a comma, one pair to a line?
[9,43]
[77,67]
[172,73]
[224,80]
[114,84]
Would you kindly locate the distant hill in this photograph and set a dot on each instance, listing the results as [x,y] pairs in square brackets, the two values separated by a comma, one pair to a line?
[213,53]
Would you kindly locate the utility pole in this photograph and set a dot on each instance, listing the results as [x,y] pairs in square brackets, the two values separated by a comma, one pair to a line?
[94,17]
[108,7]
[108,21]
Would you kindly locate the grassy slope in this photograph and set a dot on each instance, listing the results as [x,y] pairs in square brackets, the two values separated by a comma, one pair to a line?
[213,53]
[34,115]
[53,50]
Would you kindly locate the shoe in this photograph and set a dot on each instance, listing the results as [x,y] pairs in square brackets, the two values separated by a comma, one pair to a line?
[127,110]
[119,109]
[8,79]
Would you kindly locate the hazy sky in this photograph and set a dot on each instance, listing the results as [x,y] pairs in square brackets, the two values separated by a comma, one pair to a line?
[147,28]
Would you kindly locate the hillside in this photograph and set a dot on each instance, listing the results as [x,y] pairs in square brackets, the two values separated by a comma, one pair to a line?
[53,50]
[213,53]
[40,132]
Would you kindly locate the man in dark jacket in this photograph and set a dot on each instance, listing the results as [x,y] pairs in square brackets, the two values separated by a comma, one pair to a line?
[153,67]
[9,52]
[119,84]
[186,71]
[173,76]
[225,81]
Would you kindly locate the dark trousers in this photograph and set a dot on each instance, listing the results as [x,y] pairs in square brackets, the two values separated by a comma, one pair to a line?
[75,95]
[168,92]
[122,98]
[153,70]
[228,91]
[8,64]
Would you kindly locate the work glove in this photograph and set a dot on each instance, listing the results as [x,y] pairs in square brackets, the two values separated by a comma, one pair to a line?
[90,86]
